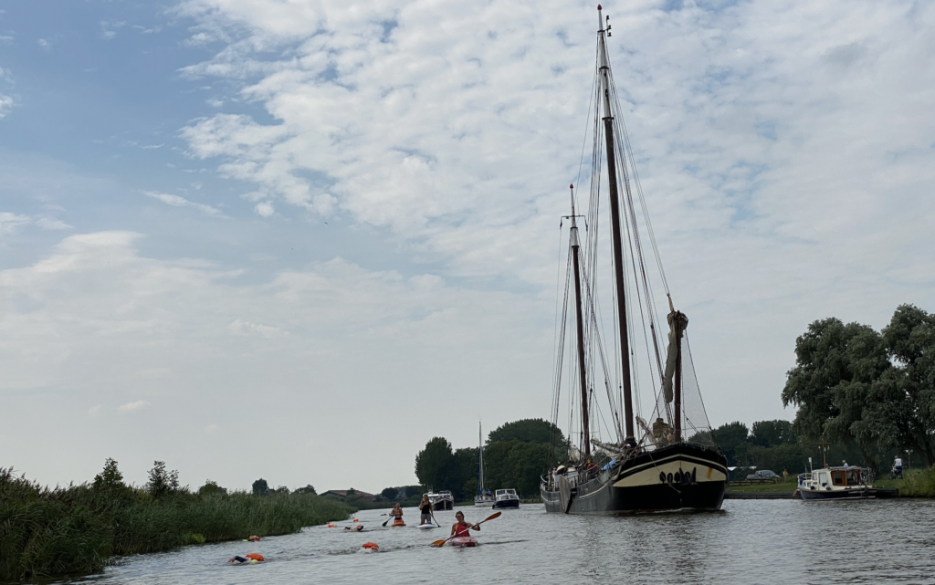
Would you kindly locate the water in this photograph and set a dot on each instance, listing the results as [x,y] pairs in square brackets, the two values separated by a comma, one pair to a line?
[749,542]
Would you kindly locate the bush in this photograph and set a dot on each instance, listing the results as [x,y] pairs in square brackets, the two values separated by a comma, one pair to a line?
[75,530]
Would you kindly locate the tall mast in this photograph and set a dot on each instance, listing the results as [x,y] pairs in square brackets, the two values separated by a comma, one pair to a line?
[579,326]
[615,229]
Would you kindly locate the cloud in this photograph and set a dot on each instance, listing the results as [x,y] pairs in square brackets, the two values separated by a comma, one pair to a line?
[176,201]
[133,406]
[6,105]
[44,44]
[211,429]
[265,209]
[266,356]
[52,224]
[11,222]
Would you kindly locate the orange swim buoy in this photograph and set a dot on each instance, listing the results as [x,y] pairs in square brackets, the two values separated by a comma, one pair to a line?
[371,546]
[254,538]
[331,526]
[255,557]
[356,520]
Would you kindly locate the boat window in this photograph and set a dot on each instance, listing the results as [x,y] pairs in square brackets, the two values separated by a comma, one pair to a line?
[837,477]
[853,477]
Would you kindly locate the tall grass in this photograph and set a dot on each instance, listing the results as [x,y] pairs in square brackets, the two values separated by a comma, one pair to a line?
[76,529]
[918,483]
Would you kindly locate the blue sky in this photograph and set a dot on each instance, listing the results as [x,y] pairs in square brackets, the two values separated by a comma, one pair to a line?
[280,231]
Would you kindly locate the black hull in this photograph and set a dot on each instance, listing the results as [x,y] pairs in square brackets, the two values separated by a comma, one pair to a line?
[505,504]
[443,505]
[677,477]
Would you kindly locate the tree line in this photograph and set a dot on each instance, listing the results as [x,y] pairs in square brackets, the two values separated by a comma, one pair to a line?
[515,456]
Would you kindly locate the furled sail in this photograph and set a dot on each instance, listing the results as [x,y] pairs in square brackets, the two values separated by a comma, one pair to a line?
[678,322]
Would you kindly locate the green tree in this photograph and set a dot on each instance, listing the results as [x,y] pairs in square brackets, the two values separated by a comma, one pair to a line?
[832,383]
[434,463]
[260,487]
[161,482]
[211,488]
[516,464]
[732,440]
[772,433]
[530,430]
[390,493]
[109,478]
[901,408]
[309,489]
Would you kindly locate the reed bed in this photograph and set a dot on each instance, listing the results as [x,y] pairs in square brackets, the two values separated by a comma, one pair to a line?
[918,483]
[79,528]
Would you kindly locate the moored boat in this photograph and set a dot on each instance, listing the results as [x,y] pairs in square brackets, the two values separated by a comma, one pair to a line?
[443,500]
[837,483]
[505,498]
[674,464]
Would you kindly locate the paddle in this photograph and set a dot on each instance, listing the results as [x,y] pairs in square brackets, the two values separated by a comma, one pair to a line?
[440,543]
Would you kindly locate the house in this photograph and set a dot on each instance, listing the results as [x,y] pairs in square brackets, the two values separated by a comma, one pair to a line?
[344,494]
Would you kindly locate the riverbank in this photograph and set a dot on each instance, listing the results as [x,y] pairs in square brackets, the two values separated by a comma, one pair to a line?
[79,529]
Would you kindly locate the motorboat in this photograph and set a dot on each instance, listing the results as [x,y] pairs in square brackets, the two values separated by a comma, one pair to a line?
[506,498]
[837,483]
[442,500]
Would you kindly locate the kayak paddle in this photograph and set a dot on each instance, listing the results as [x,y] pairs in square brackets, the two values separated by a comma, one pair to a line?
[440,543]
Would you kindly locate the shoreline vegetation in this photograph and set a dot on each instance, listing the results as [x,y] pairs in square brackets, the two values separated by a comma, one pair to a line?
[80,529]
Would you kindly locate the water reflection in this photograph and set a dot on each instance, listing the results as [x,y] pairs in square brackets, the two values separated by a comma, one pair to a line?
[750,541]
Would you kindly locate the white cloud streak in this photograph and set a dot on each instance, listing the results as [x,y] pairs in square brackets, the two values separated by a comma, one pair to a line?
[176,201]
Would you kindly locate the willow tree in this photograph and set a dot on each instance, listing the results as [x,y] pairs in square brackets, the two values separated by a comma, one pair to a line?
[853,385]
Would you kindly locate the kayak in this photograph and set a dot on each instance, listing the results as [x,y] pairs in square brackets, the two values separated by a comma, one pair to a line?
[428,525]
[462,541]
[398,523]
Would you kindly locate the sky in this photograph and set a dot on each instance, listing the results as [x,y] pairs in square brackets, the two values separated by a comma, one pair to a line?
[297,239]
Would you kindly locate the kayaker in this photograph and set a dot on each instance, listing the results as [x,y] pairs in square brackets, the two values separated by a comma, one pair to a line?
[461,528]
[397,512]
[426,510]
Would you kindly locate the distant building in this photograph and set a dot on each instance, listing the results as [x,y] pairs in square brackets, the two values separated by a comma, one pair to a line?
[343,494]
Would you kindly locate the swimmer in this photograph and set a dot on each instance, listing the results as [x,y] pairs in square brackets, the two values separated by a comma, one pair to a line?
[251,558]
[358,528]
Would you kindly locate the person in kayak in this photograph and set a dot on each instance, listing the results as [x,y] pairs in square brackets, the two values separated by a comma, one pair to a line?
[461,528]
[397,513]
[426,510]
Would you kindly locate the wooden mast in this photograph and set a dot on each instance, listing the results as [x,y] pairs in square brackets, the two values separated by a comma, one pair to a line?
[615,232]
[579,326]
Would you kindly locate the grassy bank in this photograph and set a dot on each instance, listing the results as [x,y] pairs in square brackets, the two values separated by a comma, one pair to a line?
[77,529]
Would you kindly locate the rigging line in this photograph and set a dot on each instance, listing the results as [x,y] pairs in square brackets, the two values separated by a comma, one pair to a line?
[557,376]
[642,278]
[558,281]
[691,363]
[584,139]
[639,190]
[615,407]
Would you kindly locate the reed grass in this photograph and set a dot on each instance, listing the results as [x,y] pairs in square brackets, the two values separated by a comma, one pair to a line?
[77,529]
[918,483]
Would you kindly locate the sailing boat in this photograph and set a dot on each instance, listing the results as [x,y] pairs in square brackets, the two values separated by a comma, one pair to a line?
[483,497]
[674,464]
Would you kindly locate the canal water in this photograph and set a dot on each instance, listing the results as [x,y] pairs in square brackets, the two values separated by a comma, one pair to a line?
[749,542]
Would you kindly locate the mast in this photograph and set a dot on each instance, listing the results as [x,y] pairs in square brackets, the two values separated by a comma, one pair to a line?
[579,326]
[615,231]
[678,377]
